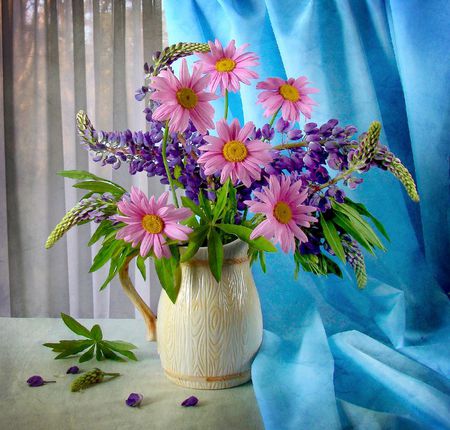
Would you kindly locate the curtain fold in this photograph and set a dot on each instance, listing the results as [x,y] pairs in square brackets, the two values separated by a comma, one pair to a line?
[333,356]
[59,57]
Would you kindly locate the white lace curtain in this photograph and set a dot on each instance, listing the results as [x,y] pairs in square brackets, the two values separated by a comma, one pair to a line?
[58,57]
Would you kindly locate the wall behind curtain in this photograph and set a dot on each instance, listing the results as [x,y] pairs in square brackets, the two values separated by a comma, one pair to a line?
[59,57]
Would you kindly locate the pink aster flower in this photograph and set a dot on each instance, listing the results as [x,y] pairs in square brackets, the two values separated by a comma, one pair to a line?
[291,96]
[232,154]
[281,202]
[227,67]
[149,222]
[183,99]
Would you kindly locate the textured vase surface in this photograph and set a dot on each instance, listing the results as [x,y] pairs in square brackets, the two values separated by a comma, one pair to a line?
[209,337]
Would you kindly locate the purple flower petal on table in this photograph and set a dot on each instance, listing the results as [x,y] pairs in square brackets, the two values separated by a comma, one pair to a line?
[73,370]
[35,381]
[190,401]
[134,399]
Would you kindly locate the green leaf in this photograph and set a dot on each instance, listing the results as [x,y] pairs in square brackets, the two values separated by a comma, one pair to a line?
[329,266]
[196,239]
[96,332]
[353,230]
[309,263]
[117,260]
[99,187]
[215,254]
[221,202]
[128,354]
[84,175]
[191,222]
[205,205]
[120,349]
[88,355]
[102,230]
[364,228]
[332,237]
[105,254]
[109,354]
[188,203]
[169,274]
[140,263]
[262,261]
[75,326]
[111,274]
[119,345]
[78,174]
[243,233]
[363,211]
[98,352]
[69,348]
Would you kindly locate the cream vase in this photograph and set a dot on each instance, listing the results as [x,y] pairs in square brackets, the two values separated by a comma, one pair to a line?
[209,337]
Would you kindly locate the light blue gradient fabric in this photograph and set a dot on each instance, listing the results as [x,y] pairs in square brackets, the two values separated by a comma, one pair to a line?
[332,356]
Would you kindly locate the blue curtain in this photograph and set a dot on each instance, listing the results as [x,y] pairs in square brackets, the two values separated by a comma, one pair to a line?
[333,356]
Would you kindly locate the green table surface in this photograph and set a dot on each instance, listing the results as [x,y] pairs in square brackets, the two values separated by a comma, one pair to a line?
[54,406]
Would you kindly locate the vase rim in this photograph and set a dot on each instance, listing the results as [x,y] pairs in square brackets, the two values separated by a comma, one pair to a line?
[228,248]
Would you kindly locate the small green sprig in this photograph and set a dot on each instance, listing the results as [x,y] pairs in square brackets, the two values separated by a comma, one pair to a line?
[94,344]
[87,379]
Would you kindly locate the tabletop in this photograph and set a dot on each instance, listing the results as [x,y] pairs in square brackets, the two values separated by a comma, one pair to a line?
[102,406]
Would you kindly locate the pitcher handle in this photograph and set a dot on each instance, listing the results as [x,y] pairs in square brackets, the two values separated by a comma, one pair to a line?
[138,302]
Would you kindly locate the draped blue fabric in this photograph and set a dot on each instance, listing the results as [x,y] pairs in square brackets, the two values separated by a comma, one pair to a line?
[332,356]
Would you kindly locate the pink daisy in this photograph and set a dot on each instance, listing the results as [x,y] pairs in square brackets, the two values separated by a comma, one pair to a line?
[227,67]
[183,99]
[232,154]
[281,202]
[290,95]
[149,221]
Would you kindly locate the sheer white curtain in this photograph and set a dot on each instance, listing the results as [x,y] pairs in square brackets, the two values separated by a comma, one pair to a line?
[58,57]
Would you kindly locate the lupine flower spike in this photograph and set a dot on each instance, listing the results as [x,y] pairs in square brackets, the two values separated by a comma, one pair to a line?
[89,378]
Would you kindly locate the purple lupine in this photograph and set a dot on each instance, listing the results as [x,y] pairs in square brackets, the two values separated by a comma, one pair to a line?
[282,126]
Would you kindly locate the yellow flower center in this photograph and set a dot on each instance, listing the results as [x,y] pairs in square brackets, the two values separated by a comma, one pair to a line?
[153,224]
[282,212]
[235,151]
[289,92]
[187,98]
[225,65]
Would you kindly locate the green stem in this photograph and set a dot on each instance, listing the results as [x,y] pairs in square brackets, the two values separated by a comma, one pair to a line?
[336,179]
[244,215]
[290,145]
[111,374]
[166,165]
[274,116]
[225,115]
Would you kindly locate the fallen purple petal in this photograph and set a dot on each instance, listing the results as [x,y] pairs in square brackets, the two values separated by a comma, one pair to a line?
[36,381]
[134,399]
[190,401]
[73,370]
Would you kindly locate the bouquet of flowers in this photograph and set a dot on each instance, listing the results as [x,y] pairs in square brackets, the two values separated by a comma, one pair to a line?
[278,184]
